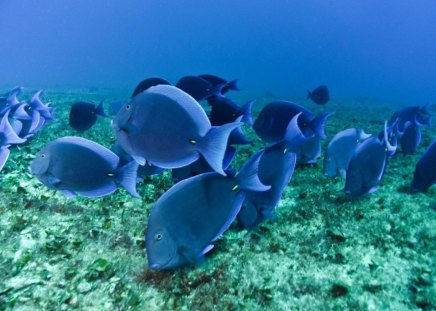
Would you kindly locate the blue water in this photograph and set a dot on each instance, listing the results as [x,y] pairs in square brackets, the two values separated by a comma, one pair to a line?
[382,49]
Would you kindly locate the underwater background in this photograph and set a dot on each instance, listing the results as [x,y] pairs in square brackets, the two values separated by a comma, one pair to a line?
[324,250]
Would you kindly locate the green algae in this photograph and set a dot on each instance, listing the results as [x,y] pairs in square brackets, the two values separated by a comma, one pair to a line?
[324,250]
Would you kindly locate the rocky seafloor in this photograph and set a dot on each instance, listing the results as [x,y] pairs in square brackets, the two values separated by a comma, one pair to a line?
[325,251]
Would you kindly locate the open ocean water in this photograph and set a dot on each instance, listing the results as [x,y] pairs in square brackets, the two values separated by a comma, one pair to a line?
[324,250]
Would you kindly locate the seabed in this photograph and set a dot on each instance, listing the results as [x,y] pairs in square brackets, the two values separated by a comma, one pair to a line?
[325,251]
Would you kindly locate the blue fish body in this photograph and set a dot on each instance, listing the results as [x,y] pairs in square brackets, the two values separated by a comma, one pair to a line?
[221,83]
[191,215]
[411,138]
[276,166]
[340,150]
[319,95]
[198,88]
[273,119]
[74,165]
[84,115]
[425,171]
[367,166]
[166,127]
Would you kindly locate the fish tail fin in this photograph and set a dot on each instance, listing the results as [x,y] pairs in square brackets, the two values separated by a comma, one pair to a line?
[237,137]
[293,135]
[318,124]
[228,156]
[11,138]
[127,176]
[246,112]
[248,178]
[233,85]
[99,110]
[214,144]
[4,155]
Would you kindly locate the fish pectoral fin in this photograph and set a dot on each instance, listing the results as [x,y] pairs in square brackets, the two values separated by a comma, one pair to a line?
[53,181]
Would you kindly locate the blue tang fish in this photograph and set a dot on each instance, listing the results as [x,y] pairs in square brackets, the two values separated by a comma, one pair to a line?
[340,150]
[191,215]
[222,83]
[274,118]
[410,138]
[198,88]
[83,115]
[368,165]
[425,171]
[168,128]
[8,137]
[417,115]
[319,95]
[74,165]
[147,83]
[276,166]
[224,110]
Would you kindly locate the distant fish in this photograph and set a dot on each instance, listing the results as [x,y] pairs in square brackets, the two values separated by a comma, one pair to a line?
[147,83]
[276,166]
[319,95]
[83,115]
[425,171]
[224,110]
[166,127]
[273,119]
[74,165]
[191,215]
[223,84]
[198,88]
[416,115]
[368,165]
[340,150]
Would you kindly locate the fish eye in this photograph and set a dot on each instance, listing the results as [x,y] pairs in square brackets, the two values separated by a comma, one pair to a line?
[158,237]
[128,107]
[43,155]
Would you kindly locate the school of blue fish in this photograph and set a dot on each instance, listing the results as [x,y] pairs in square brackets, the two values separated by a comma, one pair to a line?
[164,126]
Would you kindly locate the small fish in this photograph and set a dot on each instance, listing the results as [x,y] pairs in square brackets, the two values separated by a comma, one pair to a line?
[425,171]
[410,138]
[147,83]
[224,110]
[273,119]
[74,165]
[416,115]
[222,83]
[166,127]
[340,150]
[191,215]
[198,88]
[83,115]
[368,165]
[319,95]
[276,166]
